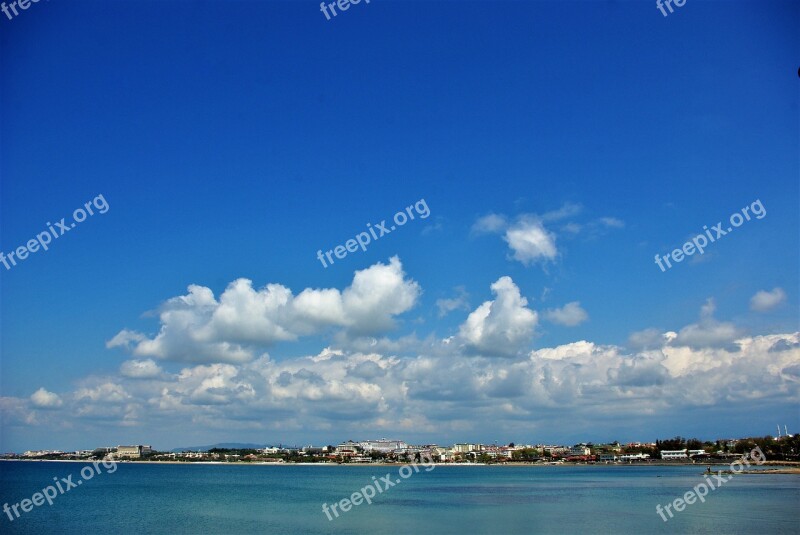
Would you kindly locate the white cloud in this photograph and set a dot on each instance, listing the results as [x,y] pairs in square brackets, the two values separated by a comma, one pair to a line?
[371,385]
[647,339]
[489,224]
[125,338]
[359,394]
[198,328]
[43,399]
[140,369]
[460,302]
[531,242]
[376,295]
[763,300]
[531,238]
[500,327]
[108,392]
[569,315]
[708,332]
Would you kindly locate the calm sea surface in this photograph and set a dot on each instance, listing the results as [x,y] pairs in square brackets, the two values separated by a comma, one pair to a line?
[224,499]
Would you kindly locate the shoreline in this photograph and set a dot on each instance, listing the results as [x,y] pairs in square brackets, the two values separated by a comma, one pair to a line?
[789,468]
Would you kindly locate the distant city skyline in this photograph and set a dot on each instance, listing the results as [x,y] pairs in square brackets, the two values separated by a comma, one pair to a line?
[553,149]
[234,445]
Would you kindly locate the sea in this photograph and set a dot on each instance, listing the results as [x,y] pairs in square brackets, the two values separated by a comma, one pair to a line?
[142,498]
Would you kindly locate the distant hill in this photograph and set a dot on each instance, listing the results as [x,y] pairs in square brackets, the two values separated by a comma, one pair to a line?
[226,445]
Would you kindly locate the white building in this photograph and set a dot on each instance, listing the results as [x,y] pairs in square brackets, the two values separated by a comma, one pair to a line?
[383,445]
[579,449]
[443,454]
[552,449]
[348,449]
[39,453]
[634,457]
[674,454]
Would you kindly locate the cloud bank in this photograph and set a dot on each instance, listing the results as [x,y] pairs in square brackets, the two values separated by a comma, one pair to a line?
[484,375]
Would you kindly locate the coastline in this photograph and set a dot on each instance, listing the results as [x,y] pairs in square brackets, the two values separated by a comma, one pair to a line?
[788,468]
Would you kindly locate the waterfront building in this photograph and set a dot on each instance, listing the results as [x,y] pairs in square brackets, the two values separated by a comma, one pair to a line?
[382,445]
[579,449]
[348,449]
[133,452]
[634,457]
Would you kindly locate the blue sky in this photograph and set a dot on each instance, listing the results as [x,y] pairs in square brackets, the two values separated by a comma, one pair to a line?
[234,140]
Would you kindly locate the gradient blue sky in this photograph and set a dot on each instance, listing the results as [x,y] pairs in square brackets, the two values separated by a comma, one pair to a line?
[233,140]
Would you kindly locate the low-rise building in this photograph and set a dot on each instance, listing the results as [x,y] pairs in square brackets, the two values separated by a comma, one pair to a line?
[133,452]
[348,449]
[634,457]
[553,450]
[579,449]
[674,454]
[382,445]
[41,453]
[443,455]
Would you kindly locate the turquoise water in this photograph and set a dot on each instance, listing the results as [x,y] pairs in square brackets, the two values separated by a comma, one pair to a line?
[146,498]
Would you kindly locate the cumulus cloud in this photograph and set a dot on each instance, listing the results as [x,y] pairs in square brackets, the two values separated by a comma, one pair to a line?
[643,370]
[197,327]
[108,392]
[532,238]
[569,315]
[531,242]
[708,332]
[343,393]
[376,295]
[373,385]
[43,399]
[500,327]
[784,345]
[647,339]
[140,369]
[763,300]
[126,339]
